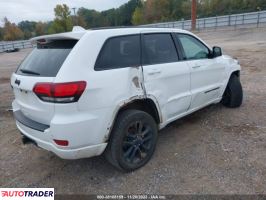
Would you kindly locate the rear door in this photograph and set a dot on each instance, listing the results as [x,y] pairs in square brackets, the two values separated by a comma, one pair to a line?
[206,73]
[40,66]
[117,72]
[166,77]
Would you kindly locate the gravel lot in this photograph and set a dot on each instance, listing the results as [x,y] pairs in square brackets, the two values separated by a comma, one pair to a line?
[213,151]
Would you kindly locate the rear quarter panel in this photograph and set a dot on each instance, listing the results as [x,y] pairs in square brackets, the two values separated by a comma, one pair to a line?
[107,89]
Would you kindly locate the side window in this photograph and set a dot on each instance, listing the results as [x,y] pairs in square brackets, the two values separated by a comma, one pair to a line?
[158,48]
[193,48]
[119,52]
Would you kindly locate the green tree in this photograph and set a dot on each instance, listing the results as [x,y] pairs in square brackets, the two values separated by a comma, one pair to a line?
[28,28]
[91,17]
[161,10]
[1,33]
[62,21]
[175,8]
[261,5]
[121,16]
[152,11]
[11,31]
[41,28]
[78,21]
[137,17]
[126,11]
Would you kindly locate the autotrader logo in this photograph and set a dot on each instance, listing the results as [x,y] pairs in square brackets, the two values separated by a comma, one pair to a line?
[27,193]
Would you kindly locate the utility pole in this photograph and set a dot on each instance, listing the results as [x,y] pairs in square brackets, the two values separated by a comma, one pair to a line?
[193,14]
[75,19]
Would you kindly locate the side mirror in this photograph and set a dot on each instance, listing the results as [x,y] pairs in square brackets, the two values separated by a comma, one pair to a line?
[216,52]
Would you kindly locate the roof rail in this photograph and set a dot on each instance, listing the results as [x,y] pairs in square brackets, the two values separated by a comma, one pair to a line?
[118,27]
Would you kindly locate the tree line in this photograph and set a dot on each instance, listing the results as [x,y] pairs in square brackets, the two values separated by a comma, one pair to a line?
[134,12]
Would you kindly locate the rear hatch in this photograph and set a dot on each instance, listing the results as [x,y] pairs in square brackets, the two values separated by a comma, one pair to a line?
[40,66]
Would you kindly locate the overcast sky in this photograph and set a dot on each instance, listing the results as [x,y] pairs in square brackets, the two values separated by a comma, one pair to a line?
[42,10]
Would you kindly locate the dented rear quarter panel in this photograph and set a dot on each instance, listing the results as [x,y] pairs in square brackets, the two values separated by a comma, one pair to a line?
[106,89]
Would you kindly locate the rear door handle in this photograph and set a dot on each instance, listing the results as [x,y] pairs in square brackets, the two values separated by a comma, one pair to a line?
[196,66]
[154,71]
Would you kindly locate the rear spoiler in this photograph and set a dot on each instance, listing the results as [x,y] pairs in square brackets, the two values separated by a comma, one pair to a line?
[76,34]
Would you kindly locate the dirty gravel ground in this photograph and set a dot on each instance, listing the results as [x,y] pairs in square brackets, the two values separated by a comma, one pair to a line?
[215,150]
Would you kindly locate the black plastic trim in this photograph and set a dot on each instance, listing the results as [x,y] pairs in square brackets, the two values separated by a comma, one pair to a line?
[212,90]
[20,117]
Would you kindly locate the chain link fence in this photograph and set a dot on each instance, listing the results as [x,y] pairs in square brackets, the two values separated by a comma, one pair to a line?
[12,45]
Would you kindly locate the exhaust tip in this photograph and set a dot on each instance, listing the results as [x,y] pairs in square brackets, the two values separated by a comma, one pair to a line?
[26,140]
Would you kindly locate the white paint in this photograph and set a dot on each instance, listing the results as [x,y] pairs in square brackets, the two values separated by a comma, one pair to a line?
[177,89]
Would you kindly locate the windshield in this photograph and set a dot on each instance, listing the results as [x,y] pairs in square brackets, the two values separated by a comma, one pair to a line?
[46,59]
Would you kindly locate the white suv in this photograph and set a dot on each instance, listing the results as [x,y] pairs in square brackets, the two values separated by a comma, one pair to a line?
[82,93]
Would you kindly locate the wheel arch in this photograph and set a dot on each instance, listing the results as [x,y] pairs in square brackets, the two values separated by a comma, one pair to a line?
[234,98]
[236,72]
[233,72]
[144,104]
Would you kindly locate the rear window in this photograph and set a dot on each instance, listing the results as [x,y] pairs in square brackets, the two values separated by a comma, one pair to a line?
[46,59]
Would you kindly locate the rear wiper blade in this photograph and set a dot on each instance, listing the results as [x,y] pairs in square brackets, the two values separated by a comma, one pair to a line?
[26,71]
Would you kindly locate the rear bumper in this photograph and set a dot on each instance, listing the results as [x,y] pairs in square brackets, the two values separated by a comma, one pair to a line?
[86,131]
[19,116]
[84,152]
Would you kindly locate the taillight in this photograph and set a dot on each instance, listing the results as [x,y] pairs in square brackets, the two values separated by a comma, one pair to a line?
[60,92]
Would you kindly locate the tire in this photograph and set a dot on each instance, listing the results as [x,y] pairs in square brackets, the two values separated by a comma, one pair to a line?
[233,94]
[132,141]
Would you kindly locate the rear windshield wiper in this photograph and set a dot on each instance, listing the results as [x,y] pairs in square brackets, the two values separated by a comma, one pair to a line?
[26,71]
